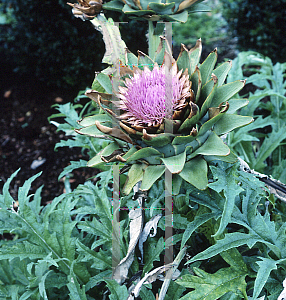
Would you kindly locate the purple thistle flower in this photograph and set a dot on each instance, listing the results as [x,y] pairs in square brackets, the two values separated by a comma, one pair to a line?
[143,99]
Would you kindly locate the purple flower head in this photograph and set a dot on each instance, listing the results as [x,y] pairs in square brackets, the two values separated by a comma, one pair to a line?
[143,99]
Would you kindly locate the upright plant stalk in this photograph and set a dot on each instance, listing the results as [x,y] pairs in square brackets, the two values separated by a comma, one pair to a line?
[170,273]
[154,33]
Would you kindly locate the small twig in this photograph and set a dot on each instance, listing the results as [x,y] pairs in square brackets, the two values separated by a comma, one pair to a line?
[275,187]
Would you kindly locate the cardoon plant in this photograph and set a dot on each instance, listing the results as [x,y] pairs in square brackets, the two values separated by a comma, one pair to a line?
[160,113]
[151,133]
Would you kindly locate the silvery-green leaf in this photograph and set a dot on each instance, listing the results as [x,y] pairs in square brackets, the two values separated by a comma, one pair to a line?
[151,174]
[212,146]
[207,66]
[222,71]
[142,153]
[175,164]
[96,160]
[88,121]
[235,104]
[226,91]
[228,122]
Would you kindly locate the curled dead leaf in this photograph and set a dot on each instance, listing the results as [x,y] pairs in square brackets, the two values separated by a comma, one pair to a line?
[86,9]
[136,225]
[115,132]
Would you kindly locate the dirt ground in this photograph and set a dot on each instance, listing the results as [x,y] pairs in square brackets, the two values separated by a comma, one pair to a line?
[26,136]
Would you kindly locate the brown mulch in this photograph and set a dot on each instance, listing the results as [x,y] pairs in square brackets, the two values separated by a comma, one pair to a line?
[26,136]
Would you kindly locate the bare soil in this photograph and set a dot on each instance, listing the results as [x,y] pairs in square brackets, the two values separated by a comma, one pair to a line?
[26,136]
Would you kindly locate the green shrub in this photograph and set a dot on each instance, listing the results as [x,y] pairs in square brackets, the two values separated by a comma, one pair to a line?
[258,25]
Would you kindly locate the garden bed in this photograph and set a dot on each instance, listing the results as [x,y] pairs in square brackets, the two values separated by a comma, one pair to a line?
[27,139]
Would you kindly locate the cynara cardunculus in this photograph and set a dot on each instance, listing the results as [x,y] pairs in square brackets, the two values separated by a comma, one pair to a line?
[143,99]
[152,95]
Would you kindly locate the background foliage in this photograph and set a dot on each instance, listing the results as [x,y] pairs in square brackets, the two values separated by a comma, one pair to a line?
[43,39]
[258,25]
[211,27]
[261,144]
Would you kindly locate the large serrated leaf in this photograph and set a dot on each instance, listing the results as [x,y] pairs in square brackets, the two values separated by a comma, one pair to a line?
[76,291]
[100,260]
[226,182]
[266,265]
[153,254]
[23,250]
[6,198]
[24,190]
[269,145]
[213,286]
[73,165]
[146,294]
[196,223]
[231,240]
